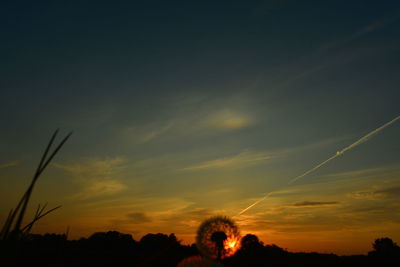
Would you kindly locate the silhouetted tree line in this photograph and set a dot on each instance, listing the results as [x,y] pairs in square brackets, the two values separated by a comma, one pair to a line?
[254,253]
[102,249]
[116,249]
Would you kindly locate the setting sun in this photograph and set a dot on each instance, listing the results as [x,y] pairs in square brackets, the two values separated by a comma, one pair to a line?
[231,245]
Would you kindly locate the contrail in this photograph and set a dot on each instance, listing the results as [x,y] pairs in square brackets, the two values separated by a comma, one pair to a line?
[255,203]
[339,153]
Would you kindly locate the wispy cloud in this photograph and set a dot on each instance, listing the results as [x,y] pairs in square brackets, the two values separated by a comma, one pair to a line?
[374,26]
[9,164]
[314,203]
[375,193]
[97,177]
[391,191]
[226,119]
[138,217]
[145,133]
[94,188]
[203,117]
[328,48]
[240,160]
[364,174]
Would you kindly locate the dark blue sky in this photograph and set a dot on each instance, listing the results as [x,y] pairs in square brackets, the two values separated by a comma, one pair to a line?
[134,53]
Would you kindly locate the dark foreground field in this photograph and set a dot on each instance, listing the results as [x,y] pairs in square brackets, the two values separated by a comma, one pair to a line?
[117,249]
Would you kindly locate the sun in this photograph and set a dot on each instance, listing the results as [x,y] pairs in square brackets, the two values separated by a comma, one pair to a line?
[231,245]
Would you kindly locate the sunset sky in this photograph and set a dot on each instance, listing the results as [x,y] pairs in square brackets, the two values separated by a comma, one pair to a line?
[186,109]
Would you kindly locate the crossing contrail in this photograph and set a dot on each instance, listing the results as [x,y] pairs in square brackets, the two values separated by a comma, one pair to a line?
[338,153]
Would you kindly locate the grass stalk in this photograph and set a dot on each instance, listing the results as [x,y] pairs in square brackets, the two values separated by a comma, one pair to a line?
[12,227]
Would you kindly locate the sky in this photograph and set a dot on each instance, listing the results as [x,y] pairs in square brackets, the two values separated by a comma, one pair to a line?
[182,110]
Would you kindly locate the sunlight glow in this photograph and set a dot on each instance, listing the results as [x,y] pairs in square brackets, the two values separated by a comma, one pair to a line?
[231,245]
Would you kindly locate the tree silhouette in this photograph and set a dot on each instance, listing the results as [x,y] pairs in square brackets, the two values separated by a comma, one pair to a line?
[250,241]
[159,241]
[384,245]
[385,251]
[114,249]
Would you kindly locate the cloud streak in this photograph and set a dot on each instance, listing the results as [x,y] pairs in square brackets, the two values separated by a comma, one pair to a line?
[227,120]
[240,160]
[138,217]
[374,194]
[334,45]
[314,203]
[376,25]
[9,164]
[97,177]
[94,188]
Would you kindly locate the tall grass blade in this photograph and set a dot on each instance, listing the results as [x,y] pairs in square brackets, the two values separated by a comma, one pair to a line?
[39,171]
[28,227]
[19,211]
[27,192]
[55,152]
[46,151]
